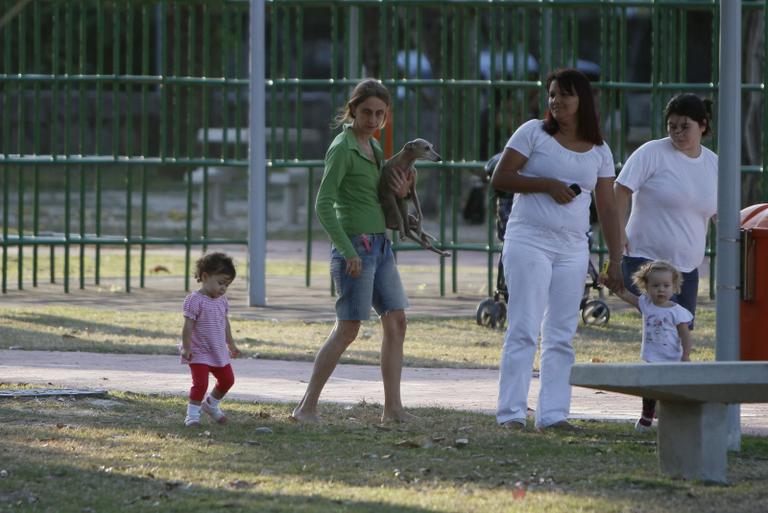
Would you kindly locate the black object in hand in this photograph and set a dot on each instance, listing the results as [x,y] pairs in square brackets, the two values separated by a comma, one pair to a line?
[575,188]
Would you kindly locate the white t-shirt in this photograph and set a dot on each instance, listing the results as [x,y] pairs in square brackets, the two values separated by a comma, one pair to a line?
[547,158]
[674,196]
[661,341]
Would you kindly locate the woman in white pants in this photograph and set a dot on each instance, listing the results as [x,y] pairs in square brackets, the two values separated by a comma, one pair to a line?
[552,165]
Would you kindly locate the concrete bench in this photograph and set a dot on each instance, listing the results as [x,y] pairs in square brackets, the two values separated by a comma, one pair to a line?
[289,180]
[292,182]
[693,399]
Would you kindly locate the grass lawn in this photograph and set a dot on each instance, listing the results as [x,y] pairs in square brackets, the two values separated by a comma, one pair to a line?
[127,453]
[429,342]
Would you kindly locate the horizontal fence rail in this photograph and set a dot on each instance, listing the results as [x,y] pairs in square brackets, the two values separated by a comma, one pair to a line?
[124,124]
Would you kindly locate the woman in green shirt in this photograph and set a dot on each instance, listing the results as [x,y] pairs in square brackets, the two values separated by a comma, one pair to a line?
[362,263]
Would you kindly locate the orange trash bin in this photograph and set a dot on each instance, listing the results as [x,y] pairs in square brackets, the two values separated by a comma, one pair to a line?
[754,282]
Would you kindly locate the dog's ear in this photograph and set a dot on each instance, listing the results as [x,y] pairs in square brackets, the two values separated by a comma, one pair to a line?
[409,146]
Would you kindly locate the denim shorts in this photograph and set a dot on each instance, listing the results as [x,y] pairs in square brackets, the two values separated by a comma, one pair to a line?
[688,291]
[378,285]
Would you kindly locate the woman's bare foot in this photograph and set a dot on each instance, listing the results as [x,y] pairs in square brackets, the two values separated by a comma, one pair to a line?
[301,416]
[399,416]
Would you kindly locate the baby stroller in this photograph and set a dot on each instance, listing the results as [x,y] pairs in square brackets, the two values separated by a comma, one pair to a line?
[492,311]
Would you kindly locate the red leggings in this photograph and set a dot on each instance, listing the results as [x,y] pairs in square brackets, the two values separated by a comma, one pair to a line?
[225,378]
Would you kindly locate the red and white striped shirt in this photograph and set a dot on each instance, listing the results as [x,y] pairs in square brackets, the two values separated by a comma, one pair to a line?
[208,341]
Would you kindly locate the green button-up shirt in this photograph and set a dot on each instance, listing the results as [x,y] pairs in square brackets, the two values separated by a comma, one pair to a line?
[348,200]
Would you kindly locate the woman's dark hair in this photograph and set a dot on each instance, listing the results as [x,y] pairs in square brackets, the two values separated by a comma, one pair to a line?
[362,91]
[690,105]
[215,263]
[573,81]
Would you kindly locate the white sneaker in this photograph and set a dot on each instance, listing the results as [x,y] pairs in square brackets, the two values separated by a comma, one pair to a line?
[214,412]
[193,416]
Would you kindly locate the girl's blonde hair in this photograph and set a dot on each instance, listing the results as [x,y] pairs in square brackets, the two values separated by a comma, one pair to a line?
[362,91]
[640,278]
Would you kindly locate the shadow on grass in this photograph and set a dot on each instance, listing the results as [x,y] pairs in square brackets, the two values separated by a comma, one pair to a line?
[106,491]
[56,321]
[43,341]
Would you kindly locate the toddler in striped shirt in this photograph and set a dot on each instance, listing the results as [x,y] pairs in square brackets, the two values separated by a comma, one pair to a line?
[207,343]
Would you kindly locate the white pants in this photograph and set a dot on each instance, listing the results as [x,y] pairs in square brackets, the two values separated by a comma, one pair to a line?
[545,281]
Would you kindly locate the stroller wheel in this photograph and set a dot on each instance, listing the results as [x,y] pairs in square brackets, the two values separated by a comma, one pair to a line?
[595,313]
[486,313]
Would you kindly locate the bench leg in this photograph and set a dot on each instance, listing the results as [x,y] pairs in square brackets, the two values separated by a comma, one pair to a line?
[217,205]
[217,202]
[692,440]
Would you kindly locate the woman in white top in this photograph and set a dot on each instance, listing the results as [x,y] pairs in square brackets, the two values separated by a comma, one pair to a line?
[552,166]
[672,185]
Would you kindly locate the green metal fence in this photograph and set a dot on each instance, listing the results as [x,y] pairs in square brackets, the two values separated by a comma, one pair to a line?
[112,109]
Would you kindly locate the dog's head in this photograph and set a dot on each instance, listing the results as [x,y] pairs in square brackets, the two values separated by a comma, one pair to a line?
[421,149]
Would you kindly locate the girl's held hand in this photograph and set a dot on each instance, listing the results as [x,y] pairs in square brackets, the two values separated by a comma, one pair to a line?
[186,354]
[234,352]
[611,276]
[354,266]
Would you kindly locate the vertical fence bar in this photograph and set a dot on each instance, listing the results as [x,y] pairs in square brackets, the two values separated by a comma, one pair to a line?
[225,35]
[191,40]
[655,68]
[275,72]
[54,116]
[144,135]
[68,51]
[419,29]
[128,136]
[764,152]
[286,100]
[116,97]
[300,126]
[36,147]
[82,64]
[622,97]
[5,146]
[241,95]
[20,110]
[175,99]
[238,148]
[205,72]
[100,37]
[445,101]
[715,74]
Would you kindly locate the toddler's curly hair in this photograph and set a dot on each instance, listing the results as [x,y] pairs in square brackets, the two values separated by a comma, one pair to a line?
[640,278]
[215,263]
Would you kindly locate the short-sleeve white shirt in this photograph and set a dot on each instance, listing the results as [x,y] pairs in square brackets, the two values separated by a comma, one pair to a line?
[674,196]
[661,341]
[547,158]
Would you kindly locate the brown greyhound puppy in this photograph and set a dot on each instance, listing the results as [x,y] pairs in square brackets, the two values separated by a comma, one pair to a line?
[396,209]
